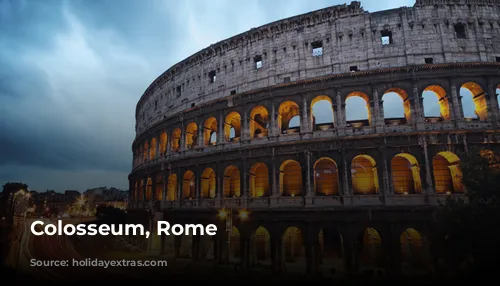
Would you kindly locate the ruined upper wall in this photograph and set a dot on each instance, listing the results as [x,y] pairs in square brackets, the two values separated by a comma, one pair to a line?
[351,38]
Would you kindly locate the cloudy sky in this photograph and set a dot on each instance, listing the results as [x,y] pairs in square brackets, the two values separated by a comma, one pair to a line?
[71,73]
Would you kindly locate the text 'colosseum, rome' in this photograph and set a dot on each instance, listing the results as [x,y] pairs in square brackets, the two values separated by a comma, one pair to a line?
[321,142]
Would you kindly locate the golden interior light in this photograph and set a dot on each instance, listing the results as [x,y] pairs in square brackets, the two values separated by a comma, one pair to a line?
[243,214]
[222,214]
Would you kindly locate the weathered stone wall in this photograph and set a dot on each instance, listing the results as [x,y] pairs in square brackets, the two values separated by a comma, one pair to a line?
[350,37]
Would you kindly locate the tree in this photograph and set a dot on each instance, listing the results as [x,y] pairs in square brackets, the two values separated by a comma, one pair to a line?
[466,232]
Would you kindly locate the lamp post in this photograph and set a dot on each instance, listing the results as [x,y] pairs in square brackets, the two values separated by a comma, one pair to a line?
[227,216]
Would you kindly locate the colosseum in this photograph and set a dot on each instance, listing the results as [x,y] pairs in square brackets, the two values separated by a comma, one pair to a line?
[323,142]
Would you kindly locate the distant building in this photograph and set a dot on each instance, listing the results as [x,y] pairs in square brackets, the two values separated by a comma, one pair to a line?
[106,196]
[54,200]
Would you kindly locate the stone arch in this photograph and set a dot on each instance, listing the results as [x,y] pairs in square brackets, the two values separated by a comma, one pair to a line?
[413,252]
[352,102]
[261,247]
[322,113]
[191,135]
[331,259]
[146,151]
[371,252]
[208,183]
[396,96]
[176,140]
[152,149]
[447,173]
[364,175]
[293,249]
[141,190]
[232,127]
[405,172]
[259,180]
[259,122]
[163,143]
[149,189]
[429,96]
[172,187]
[232,182]
[290,178]
[326,177]
[189,185]
[210,131]
[478,98]
[287,111]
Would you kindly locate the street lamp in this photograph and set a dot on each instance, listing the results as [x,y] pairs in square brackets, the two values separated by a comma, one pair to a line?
[227,216]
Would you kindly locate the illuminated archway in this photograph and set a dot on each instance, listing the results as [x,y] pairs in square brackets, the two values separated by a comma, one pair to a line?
[232,182]
[364,175]
[436,104]
[331,253]
[287,111]
[163,143]
[293,248]
[176,140]
[235,251]
[159,188]
[145,151]
[290,178]
[210,131]
[141,190]
[208,183]
[396,103]
[152,149]
[232,127]
[259,122]
[259,180]
[172,187]
[326,180]
[322,113]
[371,254]
[405,174]
[191,135]
[355,115]
[149,189]
[261,246]
[447,173]
[189,185]
[477,96]
[412,249]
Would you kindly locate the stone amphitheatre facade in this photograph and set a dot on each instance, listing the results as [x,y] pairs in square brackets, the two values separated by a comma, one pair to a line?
[233,128]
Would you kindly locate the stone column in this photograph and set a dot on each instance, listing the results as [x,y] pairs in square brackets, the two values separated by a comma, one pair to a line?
[180,179]
[305,124]
[201,140]
[388,188]
[244,182]
[377,117]
[274,130]
[274,181]
[418,117]
[309,188]
[345,185]
[493,109]
[456,105]
[169,144]
[245,134]
[428,172]
[145,188]
[219,193]
[341,119]
[220,131]
[198,184]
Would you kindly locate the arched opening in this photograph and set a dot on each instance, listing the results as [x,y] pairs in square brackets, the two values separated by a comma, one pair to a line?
[331,259]
[191,136]
[152,149]
[210,131]
[163,143]
[176,140]
[261,247]
[208,183]
[189,185]
[172,187]
[364,175]
[447,173]
[326,177]
[287,111]
[371,254]
[235,242]
[293,250]
[290,178]
[405,174]
[146,151]
[413,254]
[436,104]
[356,116]
[140,190]
[259,122]
[474,102]
[159,188]
[149,189]
[322,117]
[259,180]
[232,182]
[396,104]
[232,127]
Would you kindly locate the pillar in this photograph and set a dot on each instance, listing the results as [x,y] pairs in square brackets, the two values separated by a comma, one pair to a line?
[201,140]
[165,187]
[220,131]
[341,119]
[309,189]
[274,173]
[180,178]
[305,124]
[428,172]
[418,116]
[456,106]
[245,136]
[274,130]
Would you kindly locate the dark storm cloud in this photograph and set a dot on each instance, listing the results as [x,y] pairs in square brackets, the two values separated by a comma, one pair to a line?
[71,73]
